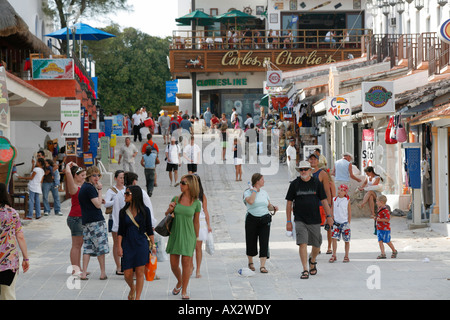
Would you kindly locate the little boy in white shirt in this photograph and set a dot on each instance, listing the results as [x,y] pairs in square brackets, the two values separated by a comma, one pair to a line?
[342,215]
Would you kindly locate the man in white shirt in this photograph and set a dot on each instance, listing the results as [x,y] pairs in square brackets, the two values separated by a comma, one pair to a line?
[248,121]
[192,154]
[129,153]
[234,116]
[173,156]
[136,118]
[291,155]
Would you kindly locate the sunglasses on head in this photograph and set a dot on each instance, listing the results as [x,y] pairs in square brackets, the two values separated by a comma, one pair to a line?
[304,169]
[80,169]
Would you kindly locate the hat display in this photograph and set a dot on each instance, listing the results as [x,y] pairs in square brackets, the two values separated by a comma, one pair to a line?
[304,164]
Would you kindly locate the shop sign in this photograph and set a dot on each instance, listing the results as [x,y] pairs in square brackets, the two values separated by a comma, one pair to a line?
[48,69]
[378,97]
[338,109]
[221,82]
[70,118]
[444,31]
[274,78]
[368,148]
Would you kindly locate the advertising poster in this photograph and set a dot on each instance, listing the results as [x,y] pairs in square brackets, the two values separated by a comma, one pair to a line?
[71,118]
[48,69]
[368,148]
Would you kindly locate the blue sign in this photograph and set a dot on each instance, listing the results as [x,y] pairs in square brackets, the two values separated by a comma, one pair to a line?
[413,166]
[171,91]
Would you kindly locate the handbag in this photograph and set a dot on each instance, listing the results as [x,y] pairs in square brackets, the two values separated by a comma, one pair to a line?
[209,244]
[164,226]
[401,131]
[110,209]
[387,136]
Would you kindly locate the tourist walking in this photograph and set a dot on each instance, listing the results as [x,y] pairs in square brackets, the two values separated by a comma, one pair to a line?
[342,216]
[184,233]
[383,219]
[257,222]
[204,228]
[343,171]
[35,189]
[11,235]
[49,185]
[148,161]
[193,155]
[164,121]
[173,157]
[237,156]
[75,177]
[154,146]
[135,236]
[95,232]
[137,124]
[110,195]
[303,199]
[291,156]
[207,116]
[128,152]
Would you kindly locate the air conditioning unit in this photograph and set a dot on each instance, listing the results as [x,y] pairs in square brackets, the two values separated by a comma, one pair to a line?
[392,22]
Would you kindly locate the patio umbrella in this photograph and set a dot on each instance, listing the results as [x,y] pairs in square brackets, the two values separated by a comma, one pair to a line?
[200,18]
[264,101]
[235,16]
[82,32]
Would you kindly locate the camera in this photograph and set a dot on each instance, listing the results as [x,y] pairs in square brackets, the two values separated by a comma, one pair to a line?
[326,227]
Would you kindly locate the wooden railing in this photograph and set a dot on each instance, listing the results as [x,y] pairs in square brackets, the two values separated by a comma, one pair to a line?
[268,39]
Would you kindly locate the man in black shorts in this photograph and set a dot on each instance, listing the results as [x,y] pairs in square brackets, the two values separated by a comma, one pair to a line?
[173,158]
[304,196]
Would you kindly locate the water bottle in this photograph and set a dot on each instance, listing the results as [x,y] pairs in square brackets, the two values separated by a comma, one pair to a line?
[246,272]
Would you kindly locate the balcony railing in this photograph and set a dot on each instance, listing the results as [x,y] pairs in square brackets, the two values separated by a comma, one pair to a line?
[268,39]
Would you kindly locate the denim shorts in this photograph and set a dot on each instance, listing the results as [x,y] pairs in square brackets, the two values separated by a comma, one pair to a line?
[75,226]
[384,236]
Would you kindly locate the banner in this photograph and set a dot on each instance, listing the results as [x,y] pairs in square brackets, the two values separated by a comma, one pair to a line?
[378,97]
[171,90]
[48,69]
[338,109]
[368,148]
[71,118]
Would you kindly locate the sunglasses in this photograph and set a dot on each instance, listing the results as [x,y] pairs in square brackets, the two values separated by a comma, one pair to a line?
[304,169]
[183,183]
[96,175]
[128,193]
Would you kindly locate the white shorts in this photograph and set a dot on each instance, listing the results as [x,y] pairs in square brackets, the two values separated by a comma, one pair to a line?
[237,161]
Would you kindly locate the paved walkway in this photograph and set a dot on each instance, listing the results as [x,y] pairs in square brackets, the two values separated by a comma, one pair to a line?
[421,270]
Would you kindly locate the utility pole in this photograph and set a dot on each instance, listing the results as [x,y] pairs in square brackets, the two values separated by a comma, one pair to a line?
[194,74]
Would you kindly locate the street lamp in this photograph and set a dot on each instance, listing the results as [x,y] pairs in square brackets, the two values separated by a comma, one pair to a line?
[419,4]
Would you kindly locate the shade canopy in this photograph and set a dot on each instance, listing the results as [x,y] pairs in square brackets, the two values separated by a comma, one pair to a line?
[200,18]
[82,32]
[264,101]
[235,16]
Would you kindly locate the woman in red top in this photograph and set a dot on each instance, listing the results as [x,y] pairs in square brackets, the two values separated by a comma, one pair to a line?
[75,178]
[214,122]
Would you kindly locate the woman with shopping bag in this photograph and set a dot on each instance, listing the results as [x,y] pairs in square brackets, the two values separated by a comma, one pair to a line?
[135,237]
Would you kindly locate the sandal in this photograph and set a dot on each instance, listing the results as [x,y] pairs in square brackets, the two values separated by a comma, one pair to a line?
[381,256]
[251,267]
[346,259]
[313,270]
[263,270]
[332,259]
[305,275]
[394,254]
[185,297]
[176,291]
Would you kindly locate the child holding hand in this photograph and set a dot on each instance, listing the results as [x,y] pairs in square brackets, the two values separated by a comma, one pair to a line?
[383,218]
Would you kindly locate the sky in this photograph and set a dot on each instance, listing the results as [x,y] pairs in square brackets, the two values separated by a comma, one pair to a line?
[156,18]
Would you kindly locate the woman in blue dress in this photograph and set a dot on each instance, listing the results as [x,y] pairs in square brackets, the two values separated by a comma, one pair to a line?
[134,233]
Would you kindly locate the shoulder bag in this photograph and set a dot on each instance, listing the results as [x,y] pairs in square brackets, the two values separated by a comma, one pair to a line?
[165,225]
[110,209]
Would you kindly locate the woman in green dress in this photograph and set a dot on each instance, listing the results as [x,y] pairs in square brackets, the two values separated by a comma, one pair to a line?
[184,232]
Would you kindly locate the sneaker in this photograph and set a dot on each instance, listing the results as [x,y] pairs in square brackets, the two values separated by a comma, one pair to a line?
[59,214]
[46,214]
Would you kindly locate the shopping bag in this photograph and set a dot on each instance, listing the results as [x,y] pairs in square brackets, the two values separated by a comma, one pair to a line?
[150,268]
[401,131]
[161,253]
[209,244]
[387,136]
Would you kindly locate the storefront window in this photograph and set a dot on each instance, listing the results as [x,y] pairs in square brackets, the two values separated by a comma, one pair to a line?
[244,102]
